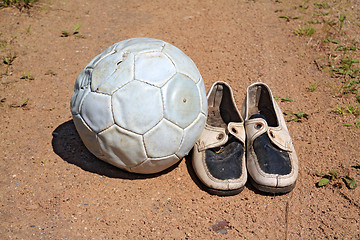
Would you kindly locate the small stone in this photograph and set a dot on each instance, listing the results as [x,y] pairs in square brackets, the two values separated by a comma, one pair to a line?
[221,226]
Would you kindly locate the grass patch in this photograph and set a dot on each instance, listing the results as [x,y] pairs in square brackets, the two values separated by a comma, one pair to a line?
[348,109]
[323,5]
[347,67]
[313,87]
[304,31]
[351,87]
[20,4]
[346,49]
[295,116]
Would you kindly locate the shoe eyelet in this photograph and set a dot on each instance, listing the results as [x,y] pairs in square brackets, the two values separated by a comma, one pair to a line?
[220,136]
[258,126]
[234,130]
[272,134]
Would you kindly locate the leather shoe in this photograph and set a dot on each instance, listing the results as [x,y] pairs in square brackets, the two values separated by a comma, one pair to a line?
[218,156]
[271,159]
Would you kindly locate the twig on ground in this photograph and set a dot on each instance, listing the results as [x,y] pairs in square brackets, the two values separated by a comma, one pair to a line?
[287,220]
[349,199]
[317,65]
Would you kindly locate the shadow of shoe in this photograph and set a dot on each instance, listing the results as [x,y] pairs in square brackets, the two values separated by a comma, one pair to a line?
[68,145]
[250,185]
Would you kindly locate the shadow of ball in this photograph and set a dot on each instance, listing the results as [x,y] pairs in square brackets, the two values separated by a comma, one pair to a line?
[68,145]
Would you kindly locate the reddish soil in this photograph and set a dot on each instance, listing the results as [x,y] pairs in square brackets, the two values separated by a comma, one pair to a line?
[53,188]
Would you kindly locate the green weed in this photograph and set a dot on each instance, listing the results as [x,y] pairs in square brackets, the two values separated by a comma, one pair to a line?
[331,22]
[27,30]
[308,31]
[322,5]
[356,124]
[347,68]
[335,178]
[303,6]
[286,99]
[322,14]
[353,110]
[288,18]
[351,87]
[340,110]
[331,40]
[74,32]
[313,87]
[345,49]
[341,20]
[27,77]
[9,59]
[296,117]
[348,109]
[23,104]
[2,101]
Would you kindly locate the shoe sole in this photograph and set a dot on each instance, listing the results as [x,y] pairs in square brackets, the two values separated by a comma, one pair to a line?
[275,190]
[224,192]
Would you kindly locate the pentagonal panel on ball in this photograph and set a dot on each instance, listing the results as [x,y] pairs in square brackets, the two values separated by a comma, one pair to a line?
[104,69]
[137,106]
[88,137]
[154,68]
[182,103]
[96,111]
[123,74]
[125,149]
[183,63]
[191,134]
[163,140]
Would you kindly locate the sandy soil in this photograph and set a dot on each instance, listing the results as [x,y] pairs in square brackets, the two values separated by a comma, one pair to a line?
[53,188]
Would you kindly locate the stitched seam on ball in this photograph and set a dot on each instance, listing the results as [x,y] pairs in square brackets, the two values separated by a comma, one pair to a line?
[146,151]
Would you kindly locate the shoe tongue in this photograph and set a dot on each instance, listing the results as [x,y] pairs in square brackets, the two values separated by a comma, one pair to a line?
[257,116]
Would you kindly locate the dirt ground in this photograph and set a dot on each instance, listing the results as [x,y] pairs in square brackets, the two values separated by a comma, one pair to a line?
[53,188]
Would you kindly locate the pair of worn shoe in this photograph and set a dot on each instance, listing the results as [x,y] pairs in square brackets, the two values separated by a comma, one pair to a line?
[255,141]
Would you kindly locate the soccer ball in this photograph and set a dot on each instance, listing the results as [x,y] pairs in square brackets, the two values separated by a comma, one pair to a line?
[140,105]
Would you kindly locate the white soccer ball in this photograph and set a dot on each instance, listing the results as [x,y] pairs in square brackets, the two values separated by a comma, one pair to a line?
[140,105]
